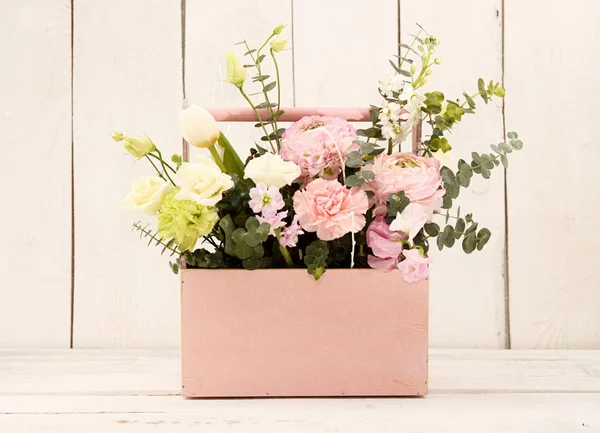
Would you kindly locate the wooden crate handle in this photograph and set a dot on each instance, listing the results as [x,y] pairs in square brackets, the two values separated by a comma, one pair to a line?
[293,114]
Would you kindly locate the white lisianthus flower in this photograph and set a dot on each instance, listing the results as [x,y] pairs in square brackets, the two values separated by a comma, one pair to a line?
[202,182]
[411,220]
[147,194]
[198,127]
[446,159]
[272,170]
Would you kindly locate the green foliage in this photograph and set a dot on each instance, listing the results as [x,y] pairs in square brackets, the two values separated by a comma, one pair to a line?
[245,243]
[316,258]
[396,204]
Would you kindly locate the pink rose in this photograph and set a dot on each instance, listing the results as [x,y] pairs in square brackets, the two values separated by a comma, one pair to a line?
[417,176]
[384,242]
[319,145]
[330,209]
[411,220]
[414,267]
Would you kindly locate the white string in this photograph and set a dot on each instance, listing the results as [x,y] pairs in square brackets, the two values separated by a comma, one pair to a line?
[344,180]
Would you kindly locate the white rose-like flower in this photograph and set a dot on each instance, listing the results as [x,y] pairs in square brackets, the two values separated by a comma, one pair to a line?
[202,182]
[147,194]
[198,127]
[272,170]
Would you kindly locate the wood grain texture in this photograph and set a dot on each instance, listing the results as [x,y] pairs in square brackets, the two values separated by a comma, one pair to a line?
[35,171]
[127,78]
[467,292]
[553,197]
[278,332]
[158,372]
[207,43]
[518,413]
[116,391]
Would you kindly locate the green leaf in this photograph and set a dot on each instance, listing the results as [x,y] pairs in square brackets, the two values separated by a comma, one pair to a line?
[469,243]
[260,59]
[496,148]
[252,223]
[368,174]
[448,236]
[517,144]
[486,173]
[239,235]
[394,66]
[249,52]
[354,180]
[481,86]
[482,238]
[367,148]
[354,159]
[472,228]
[266,105]
[440,243]
[243,251]
[512,135]
[397,203]
[459,227]
[432,229]
[504,160]
[405,73]
[446,202]
[469,100]
[270,86]
[260,78]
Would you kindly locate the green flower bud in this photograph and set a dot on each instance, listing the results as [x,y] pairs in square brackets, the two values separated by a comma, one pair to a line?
[138,146]
[278,44]
[277,30]
[236,73]
[413,69]
[117,136]
[437,60]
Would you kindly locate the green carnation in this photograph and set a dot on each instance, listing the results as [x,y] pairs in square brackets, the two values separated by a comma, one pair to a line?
[185,221]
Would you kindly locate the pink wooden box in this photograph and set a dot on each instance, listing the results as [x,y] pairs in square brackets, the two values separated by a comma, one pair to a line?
[277,332]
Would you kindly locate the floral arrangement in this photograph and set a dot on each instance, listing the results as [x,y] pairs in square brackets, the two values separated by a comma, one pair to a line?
[319,194]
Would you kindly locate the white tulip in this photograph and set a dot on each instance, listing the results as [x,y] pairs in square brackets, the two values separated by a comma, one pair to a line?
[202,182]
[198,127]
[147,194]
[272,170]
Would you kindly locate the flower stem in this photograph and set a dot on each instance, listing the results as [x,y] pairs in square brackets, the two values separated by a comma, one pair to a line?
[258,117]
[162,162]
[165,163]
[275,127]
[215,154]
[284,251]
[156,168]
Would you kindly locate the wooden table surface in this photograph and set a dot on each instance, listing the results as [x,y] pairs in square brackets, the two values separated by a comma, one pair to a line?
[88,391]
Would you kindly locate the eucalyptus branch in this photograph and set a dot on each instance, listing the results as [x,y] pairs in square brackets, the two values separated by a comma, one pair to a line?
[410,47]
[257,61]
[145,233]
[258,117]
[278,84]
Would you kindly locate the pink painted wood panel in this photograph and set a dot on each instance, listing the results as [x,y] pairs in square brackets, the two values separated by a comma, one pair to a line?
[277,332]
[291,114]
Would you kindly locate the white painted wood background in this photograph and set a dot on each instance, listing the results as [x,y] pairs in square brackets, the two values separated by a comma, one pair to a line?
[73,73]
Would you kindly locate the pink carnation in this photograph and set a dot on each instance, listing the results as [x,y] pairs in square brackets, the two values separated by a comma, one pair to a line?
[330,209]
[384,242]
[319,145]
[417,176]
[414,267]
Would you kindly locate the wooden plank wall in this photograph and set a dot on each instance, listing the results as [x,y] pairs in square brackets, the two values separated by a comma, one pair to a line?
[77,70]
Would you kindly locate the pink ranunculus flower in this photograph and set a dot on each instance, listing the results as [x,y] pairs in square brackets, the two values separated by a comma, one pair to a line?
[330,209]
[384,242]
[414,267]
[319,145]
[411,220]
[417,176]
